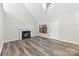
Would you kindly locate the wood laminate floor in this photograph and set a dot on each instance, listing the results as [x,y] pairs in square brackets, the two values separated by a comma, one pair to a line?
[39,46]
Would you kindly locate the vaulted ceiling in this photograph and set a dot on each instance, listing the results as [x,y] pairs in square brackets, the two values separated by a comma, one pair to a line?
[36,10]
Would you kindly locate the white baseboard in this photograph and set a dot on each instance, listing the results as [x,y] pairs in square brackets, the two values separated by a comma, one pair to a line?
[68,41]
[15,39]
[63,40]
[12,40]
[1,48]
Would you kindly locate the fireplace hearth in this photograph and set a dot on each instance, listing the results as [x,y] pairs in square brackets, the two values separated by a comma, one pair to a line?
[26,34]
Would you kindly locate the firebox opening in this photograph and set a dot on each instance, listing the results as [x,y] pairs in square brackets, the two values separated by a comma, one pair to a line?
[26,34]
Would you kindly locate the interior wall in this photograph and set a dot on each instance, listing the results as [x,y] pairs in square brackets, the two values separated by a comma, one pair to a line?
[69,22]
[1,26]
[53,30]
[52,23]
[67,16]
[17,17]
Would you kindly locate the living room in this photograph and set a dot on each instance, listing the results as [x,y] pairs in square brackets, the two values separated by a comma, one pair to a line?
[56,21]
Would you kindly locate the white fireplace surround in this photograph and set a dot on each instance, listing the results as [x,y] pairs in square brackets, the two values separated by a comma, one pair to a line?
[30,28]
[20,32]
[27,27]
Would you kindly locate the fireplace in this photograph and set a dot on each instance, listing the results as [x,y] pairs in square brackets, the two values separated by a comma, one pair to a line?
[26,34]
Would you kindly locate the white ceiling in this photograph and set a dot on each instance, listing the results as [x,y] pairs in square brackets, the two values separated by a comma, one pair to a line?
[36,10]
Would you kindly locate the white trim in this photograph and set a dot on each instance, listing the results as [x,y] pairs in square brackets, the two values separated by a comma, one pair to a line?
[64,40]
[16,39]
[1,48]
[68,41]
[12,40]
[61,40]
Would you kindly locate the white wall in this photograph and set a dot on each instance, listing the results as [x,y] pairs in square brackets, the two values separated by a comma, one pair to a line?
[69,22]
[1,26]
[52,23]
[17,17]
[67,16]
[53,30]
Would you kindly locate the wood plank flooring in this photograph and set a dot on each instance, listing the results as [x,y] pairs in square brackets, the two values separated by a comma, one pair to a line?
[39,46]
